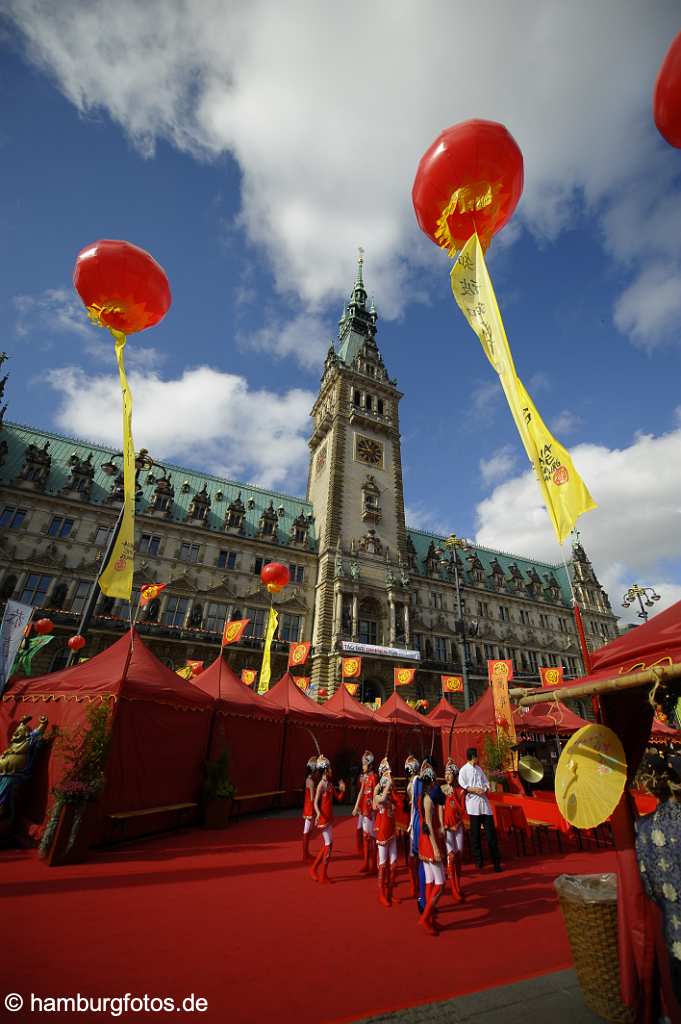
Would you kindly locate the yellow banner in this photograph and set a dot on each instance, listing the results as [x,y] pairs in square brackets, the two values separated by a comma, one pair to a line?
[564,492]
[115,579]
[266,669]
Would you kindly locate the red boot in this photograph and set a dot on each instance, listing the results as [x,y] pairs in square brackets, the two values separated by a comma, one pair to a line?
[383,897]
[326,857]
[424,919]
[392,881]
[315,867]
[453,877]
[413,876]
[365,868]
[431,925]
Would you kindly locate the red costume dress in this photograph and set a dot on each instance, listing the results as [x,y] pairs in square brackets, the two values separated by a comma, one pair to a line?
[429,843]
[454,809]
[385,821]
[326,805]
[308,804]
[366,800]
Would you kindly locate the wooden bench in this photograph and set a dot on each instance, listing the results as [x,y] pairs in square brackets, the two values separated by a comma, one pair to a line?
[258,796]
[120,818]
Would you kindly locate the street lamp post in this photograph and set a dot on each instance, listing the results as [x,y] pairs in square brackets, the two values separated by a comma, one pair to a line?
[458,543]
[142,461]
[645,596]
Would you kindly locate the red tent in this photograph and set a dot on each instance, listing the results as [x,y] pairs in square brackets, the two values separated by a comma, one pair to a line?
[443,714]
[551,717]
[343,703]
[413,733]
[472,725]
[251,729]
[160,730]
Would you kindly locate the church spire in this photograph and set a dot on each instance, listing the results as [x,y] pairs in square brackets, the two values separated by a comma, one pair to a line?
[357,325]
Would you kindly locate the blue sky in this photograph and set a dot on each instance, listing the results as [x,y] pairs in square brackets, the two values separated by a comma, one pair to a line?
[251,160]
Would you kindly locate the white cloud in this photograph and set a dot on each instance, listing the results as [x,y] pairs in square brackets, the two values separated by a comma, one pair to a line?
[566,422]
[631,535]
[649,310]
[306,338]
[500,464]
[485,396]
[418,516]
[328,154]
[207,418]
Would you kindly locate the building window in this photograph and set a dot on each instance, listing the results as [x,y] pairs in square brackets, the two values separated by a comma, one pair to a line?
[161,502]
[258,565]
[439,648]
[103,535]
[368,631]
[504,613]
[436,599]
[123,609]
[35,590]
[355,396]
[289,628]
[297,574]
[604,630]
[34,474]
[379,403]
[175,611]
[525,617]
[189,552]
[81,595]
[489,652]
[227,560]
[562,625]
[533,661]
[483,609]
[258,619]
[544,622]
[12,517]
[60,527]
[150,543]
[214,617]
[417,639]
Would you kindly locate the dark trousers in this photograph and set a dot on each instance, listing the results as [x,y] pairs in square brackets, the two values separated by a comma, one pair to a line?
[485,821]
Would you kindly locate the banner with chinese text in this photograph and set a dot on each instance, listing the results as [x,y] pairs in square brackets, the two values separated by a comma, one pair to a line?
[452,684]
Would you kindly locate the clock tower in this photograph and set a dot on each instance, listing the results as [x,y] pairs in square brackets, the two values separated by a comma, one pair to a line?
[355,487]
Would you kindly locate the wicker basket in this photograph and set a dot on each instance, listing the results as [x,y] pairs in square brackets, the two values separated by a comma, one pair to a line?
[592,931]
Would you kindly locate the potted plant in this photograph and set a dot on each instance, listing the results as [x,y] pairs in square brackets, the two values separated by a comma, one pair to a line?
[66,838]
[218,792]
[496,759]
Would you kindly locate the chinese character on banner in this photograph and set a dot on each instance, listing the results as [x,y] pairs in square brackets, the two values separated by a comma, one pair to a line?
[233,631]
[500,670]
[551,676]
[297,654]
[403,676]
[351,668]
[499,674]
[452,684]
[352,688]
[302,682]
[249,676]
[149,592]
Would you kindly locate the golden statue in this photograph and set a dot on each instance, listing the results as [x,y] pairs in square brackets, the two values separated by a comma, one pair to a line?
[14,759]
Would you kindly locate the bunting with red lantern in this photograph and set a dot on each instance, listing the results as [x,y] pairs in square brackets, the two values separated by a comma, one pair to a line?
[403,676]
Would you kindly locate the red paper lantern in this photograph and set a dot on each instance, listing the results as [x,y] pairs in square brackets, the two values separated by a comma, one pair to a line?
[667,96]
[323,693]
[43,626]
[470,179]
[123,285]
[76,643]
[275,576]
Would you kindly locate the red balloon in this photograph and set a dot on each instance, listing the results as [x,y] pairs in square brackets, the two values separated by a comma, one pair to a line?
[667,96]
[126,285]
[43,626]
[77,642]
[275,576]
[470,179]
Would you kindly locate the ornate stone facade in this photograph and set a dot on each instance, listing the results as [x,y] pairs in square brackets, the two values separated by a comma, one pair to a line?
[359,574]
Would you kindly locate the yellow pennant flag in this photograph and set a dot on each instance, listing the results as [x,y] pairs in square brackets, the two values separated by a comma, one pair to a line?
[115,579]
[564,492]
[266,669]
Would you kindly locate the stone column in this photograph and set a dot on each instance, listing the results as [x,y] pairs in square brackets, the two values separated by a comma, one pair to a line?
[355,616]
[407,637]
[391,605]
[338,613]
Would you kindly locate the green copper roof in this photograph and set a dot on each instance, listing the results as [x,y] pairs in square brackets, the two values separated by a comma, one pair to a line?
[422,540]
[185,482]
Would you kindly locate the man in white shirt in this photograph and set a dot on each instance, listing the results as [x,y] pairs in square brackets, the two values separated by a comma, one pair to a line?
[475,784]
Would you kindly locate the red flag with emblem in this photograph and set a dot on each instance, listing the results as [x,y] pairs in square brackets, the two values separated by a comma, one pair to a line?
[403,676]
[297,654]
[233,631]
[149,591]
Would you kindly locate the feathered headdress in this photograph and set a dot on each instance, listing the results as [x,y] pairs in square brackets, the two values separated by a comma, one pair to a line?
[384,767]
[368,757]
[427,772]
[452,766]
[323,763]
[411,765]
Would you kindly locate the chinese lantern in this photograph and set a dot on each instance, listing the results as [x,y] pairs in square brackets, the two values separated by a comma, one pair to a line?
[469,180]
[323,692]
[43,626]
[275,576]
[122,286]
[76,643]
[667,95]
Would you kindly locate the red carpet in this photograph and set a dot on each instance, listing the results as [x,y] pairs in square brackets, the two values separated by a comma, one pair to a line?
[233,917]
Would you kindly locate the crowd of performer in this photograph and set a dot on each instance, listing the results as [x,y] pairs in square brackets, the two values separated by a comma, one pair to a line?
[428,815]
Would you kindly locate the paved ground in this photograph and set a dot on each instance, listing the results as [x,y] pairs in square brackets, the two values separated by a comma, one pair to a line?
[555,998]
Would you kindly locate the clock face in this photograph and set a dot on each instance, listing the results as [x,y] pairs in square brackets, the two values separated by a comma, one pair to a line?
[369,451]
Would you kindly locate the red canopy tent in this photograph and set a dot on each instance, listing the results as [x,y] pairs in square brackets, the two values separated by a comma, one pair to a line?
[160,728]
[551,717]
[251,730]
[363,729]
[413,733]
[443,716]
[472,725]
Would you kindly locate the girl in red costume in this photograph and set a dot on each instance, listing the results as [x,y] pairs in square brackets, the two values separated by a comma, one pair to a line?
[311,780]
[323,808]
[386,838]
[431,848]
[451,820]
[364,806]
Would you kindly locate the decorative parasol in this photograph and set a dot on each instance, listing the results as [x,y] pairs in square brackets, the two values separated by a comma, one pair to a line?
[590,776]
